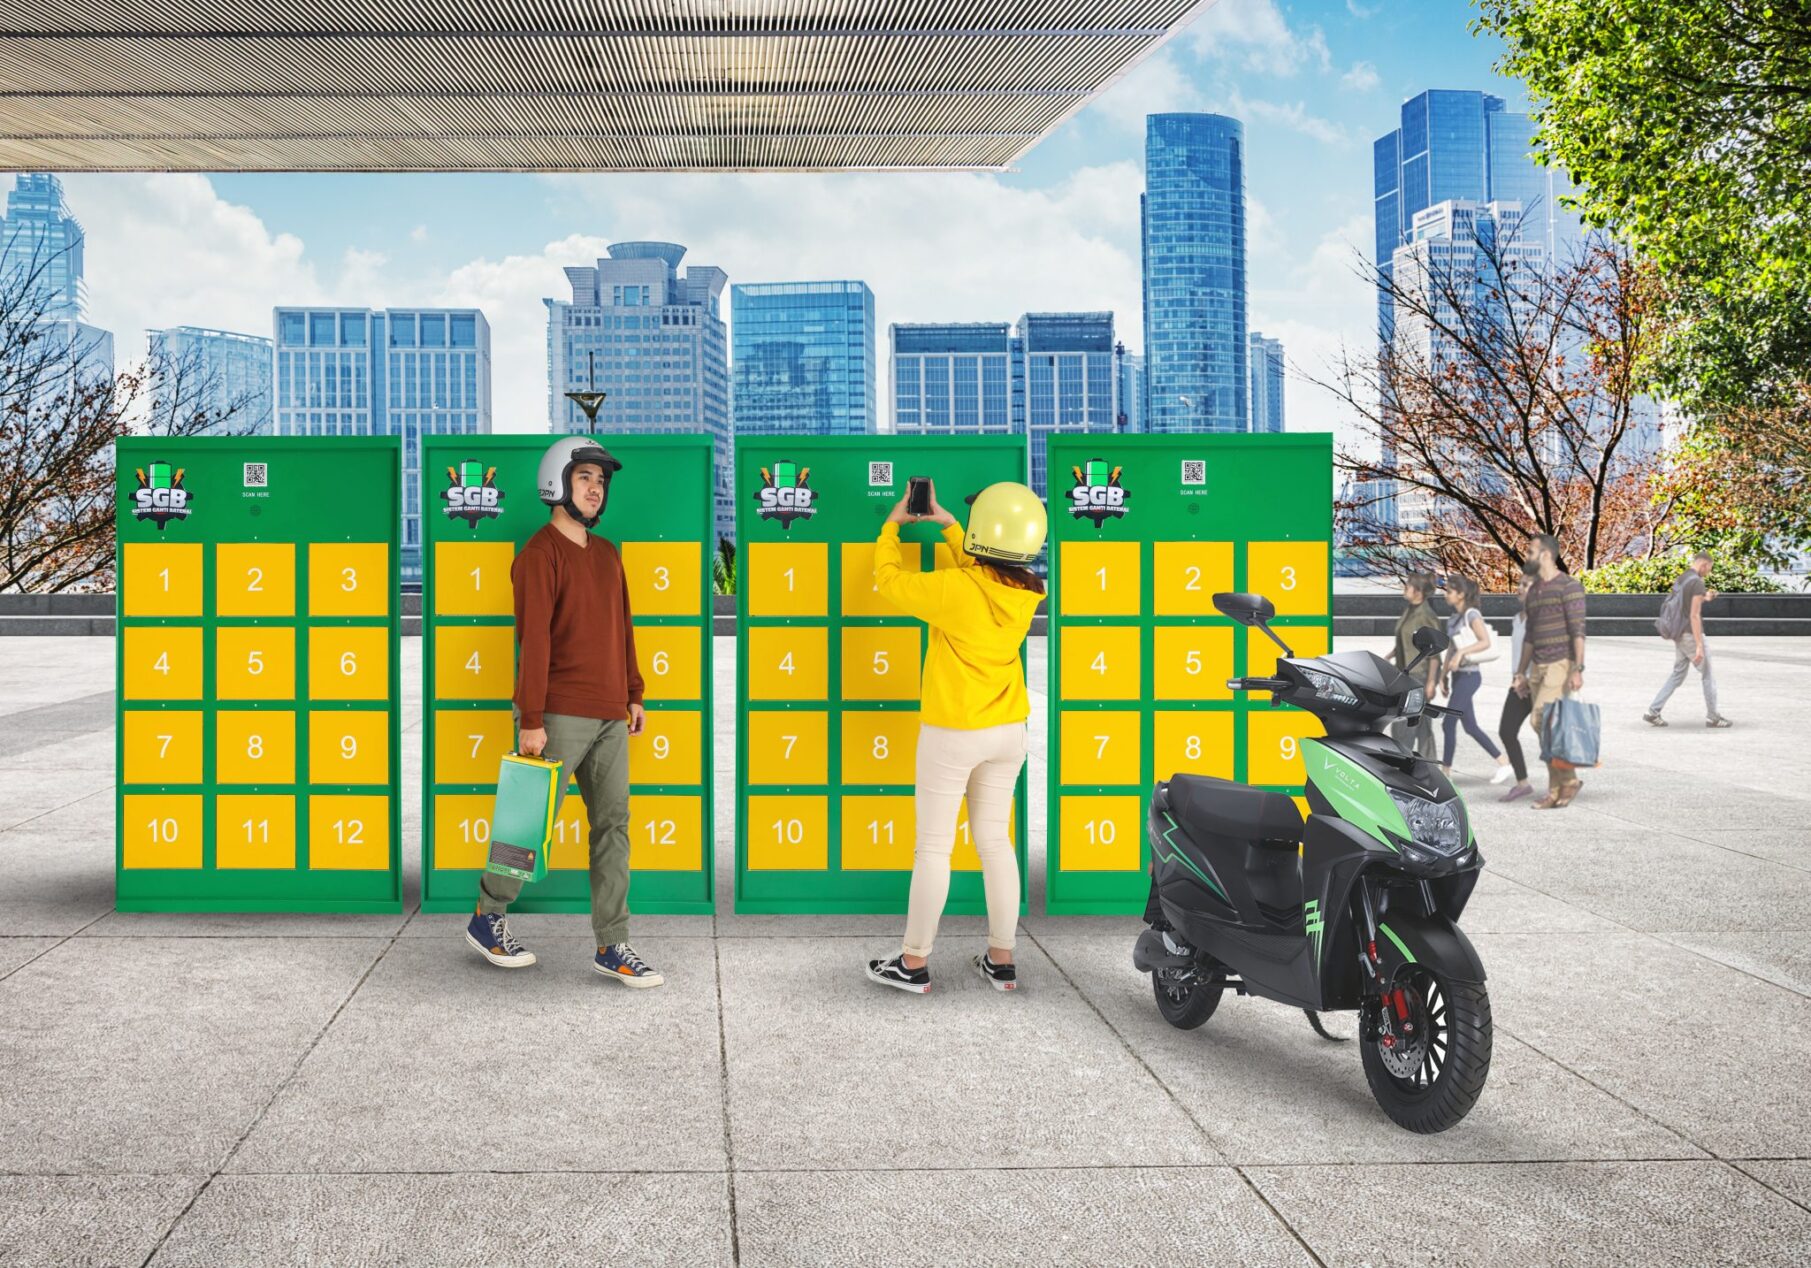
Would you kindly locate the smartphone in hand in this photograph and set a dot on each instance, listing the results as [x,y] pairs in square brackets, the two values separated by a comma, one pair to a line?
[918,496]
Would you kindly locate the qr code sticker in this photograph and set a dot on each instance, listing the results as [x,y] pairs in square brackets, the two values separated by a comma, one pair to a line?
[257,475]
[880,475]
[1194,471]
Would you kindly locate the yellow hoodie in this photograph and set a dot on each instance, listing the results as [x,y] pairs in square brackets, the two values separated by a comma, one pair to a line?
[972,674]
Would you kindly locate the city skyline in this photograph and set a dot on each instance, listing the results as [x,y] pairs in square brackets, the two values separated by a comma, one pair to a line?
[1313,83]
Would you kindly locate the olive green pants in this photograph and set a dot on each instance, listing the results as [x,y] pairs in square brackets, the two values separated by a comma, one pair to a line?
[595,753]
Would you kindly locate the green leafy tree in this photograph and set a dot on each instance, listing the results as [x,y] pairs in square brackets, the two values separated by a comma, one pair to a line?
[1687,125]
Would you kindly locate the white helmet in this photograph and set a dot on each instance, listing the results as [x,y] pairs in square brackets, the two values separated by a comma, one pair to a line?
[555,475]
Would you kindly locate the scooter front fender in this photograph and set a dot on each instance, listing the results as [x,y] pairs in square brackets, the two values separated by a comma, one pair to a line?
[1405,938]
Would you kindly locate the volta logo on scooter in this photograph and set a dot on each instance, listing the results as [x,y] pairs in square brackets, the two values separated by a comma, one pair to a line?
[785,494]
[160,496]
[472,493]
[1098,494]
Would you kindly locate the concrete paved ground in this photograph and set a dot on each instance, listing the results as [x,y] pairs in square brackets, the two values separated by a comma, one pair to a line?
[219,1090]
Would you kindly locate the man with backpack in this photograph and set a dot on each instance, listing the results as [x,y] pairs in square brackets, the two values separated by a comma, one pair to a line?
[1681,621]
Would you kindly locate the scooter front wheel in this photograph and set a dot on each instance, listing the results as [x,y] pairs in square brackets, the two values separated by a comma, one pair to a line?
[1431,1054]
[1186,997]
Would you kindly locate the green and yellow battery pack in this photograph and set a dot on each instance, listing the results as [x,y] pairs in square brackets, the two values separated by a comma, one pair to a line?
[521,826]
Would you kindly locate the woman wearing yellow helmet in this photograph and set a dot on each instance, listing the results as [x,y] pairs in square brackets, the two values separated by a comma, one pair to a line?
[972,712]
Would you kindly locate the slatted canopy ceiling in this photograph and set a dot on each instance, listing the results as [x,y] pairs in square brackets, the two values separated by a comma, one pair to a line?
[554,85]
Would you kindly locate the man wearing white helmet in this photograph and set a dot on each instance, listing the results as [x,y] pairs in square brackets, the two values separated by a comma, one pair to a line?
[578,698]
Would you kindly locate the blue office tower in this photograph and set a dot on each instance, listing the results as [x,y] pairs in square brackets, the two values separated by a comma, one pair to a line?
[405,372]
[1267,374]
[1193,226]
[41,241]
[219,374]
[952,378]
[802,354]
[1461,145]
[1064,362]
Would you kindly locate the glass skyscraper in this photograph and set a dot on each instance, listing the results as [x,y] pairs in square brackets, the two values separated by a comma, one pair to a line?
[219,372]
[39,235]
[952,378]
[1266,383]
[1193,226]
[803,358]
[654,341]
[1131,391]
[1065,363]
[1461,145]
[405,372]
[41,246]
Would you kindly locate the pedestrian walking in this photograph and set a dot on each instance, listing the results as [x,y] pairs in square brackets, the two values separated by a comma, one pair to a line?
[1469,647]
[1552,663]
[578,699]
[1682,620]
[1516,704]
[1417,613]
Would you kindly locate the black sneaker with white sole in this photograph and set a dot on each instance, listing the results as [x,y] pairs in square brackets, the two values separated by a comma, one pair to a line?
[1652,718]
[1002,977]
[893,972]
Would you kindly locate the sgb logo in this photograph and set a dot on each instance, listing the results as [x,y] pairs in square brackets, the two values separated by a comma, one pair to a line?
[160,496]
[1098,494]
[472,493]
[785,494]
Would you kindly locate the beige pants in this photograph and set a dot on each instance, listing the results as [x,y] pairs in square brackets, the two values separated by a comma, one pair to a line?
[985,765]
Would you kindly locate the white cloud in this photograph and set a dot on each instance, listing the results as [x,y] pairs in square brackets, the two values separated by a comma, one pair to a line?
[1361,78]
[1157,85]
[1292,115]
[166,250]
[418,234]
[1255,33]
[1320,307]
[1362,12]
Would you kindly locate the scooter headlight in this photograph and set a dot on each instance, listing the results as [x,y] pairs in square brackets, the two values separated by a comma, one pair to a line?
[1437,825]
[1328,687]
[1414,702]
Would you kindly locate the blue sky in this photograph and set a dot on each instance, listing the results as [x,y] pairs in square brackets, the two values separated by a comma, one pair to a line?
[1314,81]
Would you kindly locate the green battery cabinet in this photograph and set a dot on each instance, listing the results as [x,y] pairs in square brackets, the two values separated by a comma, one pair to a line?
[528,803]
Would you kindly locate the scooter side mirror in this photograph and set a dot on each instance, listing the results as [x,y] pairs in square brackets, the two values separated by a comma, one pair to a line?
[1246,609]
[1431,639]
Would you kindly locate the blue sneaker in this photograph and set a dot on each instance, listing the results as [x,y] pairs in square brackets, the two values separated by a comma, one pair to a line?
[490,937]
[619,961]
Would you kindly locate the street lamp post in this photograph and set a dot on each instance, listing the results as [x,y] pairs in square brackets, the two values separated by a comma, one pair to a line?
[593,400]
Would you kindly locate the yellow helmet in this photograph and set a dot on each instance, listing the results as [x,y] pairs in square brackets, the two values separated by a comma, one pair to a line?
[1006,522]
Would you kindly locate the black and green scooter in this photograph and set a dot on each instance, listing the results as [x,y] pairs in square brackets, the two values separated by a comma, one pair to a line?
[1357,909]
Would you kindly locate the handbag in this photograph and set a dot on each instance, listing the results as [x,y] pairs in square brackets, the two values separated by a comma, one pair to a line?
[521,824]
[1571,733]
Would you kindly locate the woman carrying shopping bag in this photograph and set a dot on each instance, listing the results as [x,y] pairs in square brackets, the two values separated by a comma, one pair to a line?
[972,713]
[1470,648]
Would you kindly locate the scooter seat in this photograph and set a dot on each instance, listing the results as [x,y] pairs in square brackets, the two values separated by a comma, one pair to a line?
[1226,809]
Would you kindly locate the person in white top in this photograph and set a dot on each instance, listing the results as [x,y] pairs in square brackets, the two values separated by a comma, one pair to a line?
[1470,648]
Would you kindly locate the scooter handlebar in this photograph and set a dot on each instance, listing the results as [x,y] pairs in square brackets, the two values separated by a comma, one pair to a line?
[1258,684]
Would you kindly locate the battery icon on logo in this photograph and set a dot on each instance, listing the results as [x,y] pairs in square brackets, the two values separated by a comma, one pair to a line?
[161,476]
[471,474]
[1098,472]
[786,474]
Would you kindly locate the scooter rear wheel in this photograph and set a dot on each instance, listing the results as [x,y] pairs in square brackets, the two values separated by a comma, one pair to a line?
[1186,997]
[1427,1078]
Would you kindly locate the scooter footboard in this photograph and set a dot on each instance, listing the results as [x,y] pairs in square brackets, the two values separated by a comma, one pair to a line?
[1405,938]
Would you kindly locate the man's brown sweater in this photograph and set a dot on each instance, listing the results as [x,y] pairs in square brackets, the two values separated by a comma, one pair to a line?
[577,646]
